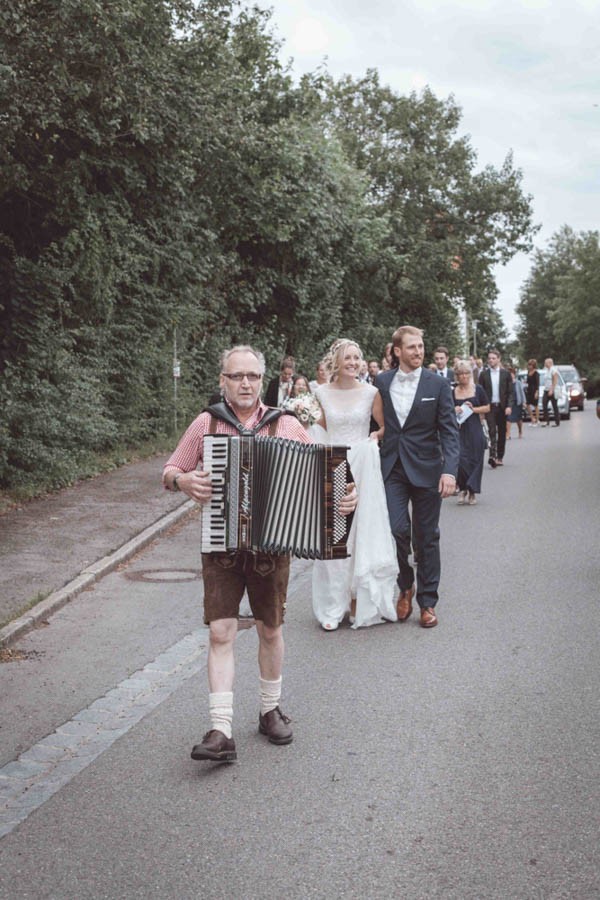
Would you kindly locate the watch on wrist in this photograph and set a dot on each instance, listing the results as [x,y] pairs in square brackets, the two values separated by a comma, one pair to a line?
[175,485]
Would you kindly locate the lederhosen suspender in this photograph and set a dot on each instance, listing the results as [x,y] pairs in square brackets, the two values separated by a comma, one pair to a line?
[225,414]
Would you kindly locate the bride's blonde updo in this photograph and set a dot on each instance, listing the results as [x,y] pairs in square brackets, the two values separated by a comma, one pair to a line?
[335,355]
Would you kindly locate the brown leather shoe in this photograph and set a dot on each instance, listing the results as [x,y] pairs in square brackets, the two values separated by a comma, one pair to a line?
[276,726]
[404,604]
[428,617]
[215,746]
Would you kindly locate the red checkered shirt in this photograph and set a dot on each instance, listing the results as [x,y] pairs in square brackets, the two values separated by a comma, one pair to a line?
[189,449]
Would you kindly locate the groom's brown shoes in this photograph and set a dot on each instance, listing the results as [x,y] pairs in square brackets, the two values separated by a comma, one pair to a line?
[404,604]
[428,617]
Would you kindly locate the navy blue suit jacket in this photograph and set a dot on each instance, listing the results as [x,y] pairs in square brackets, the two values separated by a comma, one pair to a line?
[428,444]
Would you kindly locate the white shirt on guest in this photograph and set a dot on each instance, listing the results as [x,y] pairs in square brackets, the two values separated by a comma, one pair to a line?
[285,389]
[495,378]
[403,393]
[548,377]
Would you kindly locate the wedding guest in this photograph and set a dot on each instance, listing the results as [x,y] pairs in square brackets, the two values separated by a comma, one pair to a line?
[373,370]
[516,414]
[475,368]
[363,374]
[321,378]
[532,392]
[388,357]
[472,439]
[440,358]
[300,385]
[278,389]
[302,403]
[549,381]
[497,384]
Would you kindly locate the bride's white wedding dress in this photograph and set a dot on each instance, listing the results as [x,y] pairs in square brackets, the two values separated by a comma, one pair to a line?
[369,574]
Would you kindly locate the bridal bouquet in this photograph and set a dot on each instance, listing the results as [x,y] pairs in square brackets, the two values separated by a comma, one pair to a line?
[305,407]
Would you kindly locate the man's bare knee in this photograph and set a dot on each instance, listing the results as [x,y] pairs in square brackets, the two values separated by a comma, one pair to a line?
[269,634]
[222,632]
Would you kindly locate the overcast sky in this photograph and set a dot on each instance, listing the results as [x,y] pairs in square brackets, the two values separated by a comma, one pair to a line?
[525,74]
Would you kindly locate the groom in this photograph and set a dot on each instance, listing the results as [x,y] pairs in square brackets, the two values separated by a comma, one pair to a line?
[419,461]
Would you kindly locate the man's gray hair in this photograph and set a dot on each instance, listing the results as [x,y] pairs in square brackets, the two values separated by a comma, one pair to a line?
[244,348]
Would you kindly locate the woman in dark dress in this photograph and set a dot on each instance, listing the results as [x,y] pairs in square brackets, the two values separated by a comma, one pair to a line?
[472,439]
[532,391]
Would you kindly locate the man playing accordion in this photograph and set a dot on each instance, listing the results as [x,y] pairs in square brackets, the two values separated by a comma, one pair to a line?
[225,575]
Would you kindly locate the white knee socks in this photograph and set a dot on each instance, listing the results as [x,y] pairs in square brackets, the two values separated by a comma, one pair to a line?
[221,711]
[270,694]
[221,705]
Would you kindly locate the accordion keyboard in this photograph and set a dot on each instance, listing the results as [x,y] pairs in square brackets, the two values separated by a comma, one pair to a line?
[214,530]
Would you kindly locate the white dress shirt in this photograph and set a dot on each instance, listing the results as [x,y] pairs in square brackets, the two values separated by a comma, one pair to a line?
[402,391]
[284,391]
[495,378]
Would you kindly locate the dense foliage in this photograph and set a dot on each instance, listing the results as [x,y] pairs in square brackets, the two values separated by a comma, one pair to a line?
[560,304]
[164,182]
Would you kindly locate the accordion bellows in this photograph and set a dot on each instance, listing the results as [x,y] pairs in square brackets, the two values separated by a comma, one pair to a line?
[275,496]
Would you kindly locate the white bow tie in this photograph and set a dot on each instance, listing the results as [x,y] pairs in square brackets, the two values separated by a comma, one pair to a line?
[406,376]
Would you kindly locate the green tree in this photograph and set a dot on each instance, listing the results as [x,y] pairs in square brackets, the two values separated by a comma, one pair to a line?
[559,310]
[98,235]
[447,224]
[162,176]
[539,295]
[575,316]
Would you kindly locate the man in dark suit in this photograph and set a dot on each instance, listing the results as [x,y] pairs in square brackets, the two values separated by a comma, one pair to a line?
[440,358]
[419,461]
[279,388]
[373,369]
[498,385]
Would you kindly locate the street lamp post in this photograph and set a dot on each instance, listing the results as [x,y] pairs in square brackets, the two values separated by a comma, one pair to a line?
[474,325]
[176,376]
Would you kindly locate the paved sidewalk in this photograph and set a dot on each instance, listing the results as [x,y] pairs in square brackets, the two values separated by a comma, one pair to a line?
[53,547]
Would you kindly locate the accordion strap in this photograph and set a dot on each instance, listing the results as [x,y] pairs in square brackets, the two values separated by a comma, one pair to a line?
[223,412]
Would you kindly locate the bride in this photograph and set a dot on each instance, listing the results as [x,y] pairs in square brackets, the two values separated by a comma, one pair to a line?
[364,585]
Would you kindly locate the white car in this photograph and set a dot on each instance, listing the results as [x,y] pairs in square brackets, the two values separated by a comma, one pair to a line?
[575,386]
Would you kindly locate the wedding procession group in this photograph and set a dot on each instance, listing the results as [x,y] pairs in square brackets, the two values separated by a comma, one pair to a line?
[407,453]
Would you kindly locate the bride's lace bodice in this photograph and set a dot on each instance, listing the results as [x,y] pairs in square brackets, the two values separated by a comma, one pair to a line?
[348,412]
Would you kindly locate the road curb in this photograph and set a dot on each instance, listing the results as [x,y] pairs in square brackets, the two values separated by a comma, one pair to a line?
[88,576]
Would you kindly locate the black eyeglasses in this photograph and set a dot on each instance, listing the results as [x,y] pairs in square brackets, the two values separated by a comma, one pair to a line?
[239,376]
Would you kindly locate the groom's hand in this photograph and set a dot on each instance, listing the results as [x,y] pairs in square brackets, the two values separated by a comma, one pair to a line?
[447,486]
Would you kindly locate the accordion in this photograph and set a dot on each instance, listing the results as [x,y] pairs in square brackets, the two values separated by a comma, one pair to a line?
[276,496]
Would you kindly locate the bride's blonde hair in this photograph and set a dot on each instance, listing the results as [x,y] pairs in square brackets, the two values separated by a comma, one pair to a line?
[335,355]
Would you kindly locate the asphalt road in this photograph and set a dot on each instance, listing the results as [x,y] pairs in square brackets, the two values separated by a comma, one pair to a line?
[461,762]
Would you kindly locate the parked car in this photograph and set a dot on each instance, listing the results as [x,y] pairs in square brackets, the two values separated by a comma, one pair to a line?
[562,396]
[575,386]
